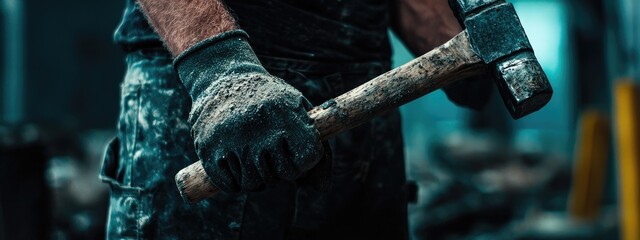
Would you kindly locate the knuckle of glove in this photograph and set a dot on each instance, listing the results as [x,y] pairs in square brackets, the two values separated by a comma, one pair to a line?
[219,166]
[306,147]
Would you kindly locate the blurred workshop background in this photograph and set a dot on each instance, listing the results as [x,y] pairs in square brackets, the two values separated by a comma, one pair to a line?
[569,171]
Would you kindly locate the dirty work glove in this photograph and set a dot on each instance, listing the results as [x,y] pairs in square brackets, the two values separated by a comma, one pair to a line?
[250,129]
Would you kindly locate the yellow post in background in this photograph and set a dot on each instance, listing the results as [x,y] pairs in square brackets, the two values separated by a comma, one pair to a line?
[627,118]
[589,173]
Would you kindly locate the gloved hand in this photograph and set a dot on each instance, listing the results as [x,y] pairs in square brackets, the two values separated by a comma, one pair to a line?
[473,93]
[250,129]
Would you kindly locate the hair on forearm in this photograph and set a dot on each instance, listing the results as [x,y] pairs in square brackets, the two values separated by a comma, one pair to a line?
[183,23]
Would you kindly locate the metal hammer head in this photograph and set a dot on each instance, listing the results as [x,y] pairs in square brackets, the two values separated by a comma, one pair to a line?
[497,36]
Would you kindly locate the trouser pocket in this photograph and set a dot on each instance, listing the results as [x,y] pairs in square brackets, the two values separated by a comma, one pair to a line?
[126,203]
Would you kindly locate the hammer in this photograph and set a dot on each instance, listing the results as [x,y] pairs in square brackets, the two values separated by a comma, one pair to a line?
[493,40]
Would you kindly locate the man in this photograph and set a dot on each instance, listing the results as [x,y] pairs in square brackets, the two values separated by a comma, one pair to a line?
[239,105]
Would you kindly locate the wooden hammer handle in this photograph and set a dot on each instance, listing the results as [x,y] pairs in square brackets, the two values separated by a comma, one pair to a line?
[452,61]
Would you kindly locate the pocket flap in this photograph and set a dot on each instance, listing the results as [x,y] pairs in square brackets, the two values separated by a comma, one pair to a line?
[110,162]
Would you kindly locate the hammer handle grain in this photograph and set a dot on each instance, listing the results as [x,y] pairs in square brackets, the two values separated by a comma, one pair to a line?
[452,61]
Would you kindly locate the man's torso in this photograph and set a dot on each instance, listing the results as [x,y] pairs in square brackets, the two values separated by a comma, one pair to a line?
[318,30]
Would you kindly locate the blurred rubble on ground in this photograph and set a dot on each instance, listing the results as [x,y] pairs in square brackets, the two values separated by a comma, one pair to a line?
[478,185]
[53,175]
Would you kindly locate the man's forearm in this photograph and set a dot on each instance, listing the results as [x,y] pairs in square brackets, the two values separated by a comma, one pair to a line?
[424,24]
[181,24]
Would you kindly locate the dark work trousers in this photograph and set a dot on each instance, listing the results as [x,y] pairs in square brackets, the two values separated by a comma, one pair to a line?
[366,200]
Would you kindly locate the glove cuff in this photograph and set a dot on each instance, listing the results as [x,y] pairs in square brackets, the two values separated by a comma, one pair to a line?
[206,62]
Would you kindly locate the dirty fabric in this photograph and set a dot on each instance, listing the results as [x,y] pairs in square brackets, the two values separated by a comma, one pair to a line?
[250,129]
